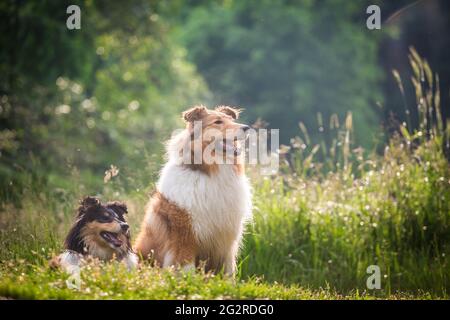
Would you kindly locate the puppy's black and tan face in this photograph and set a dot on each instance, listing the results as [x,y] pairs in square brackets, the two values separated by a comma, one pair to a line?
[100,229]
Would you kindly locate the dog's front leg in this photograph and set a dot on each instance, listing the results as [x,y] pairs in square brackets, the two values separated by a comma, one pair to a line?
[69,261]
[230,266]
[230,260]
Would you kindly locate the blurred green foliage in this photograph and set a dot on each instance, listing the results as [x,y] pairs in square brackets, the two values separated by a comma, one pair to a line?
[109,93]
[287,61]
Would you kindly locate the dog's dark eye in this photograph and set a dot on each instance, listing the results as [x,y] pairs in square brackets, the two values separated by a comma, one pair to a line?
[218,122]
[104,218]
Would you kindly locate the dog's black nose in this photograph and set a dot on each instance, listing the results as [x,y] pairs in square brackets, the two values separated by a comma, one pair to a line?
[124,227]
[245,128]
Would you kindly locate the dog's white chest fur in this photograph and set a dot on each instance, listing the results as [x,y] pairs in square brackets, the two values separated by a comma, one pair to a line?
[218,204]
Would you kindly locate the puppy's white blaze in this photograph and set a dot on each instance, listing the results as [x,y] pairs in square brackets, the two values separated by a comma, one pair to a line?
[219,204]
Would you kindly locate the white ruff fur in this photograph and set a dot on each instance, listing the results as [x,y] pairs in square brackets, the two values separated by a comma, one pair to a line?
[219,204]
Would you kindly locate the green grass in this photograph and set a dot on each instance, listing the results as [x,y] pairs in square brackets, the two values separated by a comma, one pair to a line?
[318,231]
[324,222]
[312,238]
[318,225]
[20,280]
[295,251]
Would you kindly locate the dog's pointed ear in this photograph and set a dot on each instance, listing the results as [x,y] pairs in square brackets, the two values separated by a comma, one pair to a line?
[194,114]
[118,207]
[88,203]
[232,112]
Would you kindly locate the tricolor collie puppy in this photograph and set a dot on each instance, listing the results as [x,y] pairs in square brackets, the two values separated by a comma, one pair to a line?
[203,199]
[100,231]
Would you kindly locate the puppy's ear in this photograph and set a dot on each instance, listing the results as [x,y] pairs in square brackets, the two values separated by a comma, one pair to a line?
[87,204]
[232,112]
[90,201]
[194,114]
[118,207]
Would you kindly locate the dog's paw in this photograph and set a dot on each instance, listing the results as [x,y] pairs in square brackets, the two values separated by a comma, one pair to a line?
[55,262]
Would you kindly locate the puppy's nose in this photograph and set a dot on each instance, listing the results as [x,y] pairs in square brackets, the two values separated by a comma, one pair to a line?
[245,128]
[124,227]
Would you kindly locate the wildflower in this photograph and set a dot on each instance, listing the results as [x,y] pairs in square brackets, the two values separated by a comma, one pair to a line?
[110,173]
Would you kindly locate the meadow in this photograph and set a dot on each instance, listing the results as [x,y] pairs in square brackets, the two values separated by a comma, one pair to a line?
[331,211]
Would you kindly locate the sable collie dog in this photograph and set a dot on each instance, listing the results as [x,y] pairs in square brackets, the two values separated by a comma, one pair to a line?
[100,231]
[198,212]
